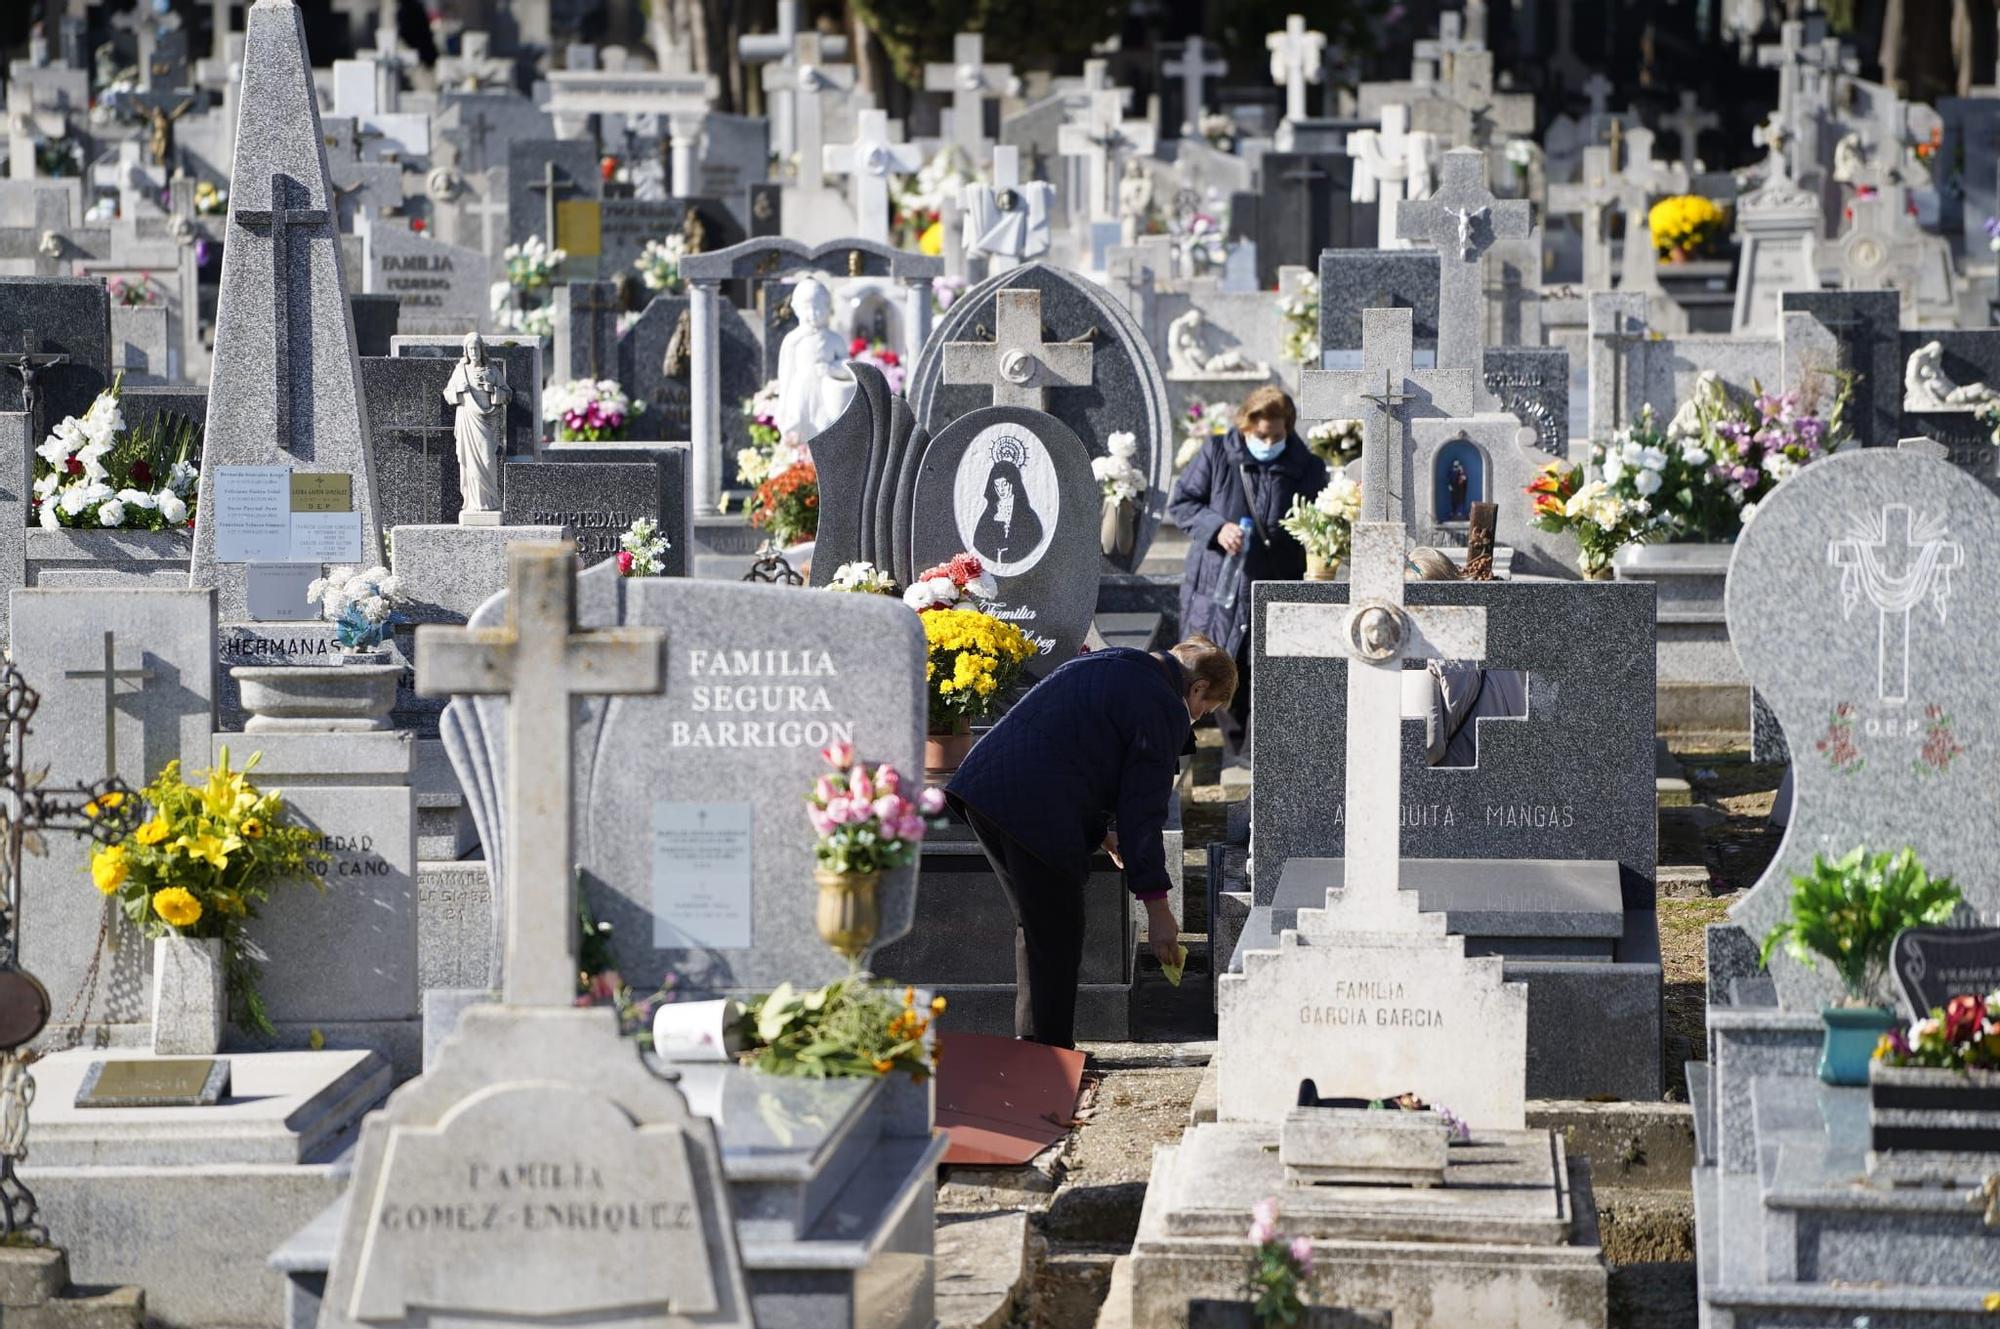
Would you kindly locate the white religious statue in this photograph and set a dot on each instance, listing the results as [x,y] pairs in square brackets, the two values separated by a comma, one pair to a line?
[1850,160]
[1392,164]
[1188,359]
[814,386]
[479,427]
[1135,201]
[1926,387]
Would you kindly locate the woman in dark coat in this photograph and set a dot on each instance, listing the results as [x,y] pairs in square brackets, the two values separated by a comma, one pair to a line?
[1255,470]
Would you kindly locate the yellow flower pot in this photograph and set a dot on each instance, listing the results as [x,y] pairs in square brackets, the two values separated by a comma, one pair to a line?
[848,914]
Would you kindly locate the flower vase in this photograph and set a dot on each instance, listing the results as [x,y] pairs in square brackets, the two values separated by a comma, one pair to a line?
[1320,567]
[190,996]
[1597,572]
[1118,527]
[848,915]
[945,753]
[317,698]
[1849,1045]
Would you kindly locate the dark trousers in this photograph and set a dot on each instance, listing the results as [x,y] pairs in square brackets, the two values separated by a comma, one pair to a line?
[1048,934]
[1234,719]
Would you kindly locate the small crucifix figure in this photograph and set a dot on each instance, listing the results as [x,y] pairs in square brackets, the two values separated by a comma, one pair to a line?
[280,219]
[1017,364]
[541,663]
[28,365]
[111,674]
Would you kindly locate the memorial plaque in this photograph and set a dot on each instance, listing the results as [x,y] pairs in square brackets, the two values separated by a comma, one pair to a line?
[701,875]
[1933,965]
[155,1082]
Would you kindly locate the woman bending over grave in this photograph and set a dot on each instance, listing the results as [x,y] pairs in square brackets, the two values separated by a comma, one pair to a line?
[1252,472]
[1452,696]
[1086,760]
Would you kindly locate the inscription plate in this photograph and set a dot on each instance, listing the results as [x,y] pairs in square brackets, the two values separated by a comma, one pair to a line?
[701,875]
[1933,965]
[150,1082]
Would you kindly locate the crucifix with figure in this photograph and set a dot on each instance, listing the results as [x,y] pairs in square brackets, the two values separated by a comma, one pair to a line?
[280,220]
[28,364]
[541,663]
[1463,220]
[1017,364]
[1376,631]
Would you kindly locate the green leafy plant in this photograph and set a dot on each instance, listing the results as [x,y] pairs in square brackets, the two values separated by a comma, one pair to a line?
[1281,1270]
[852,1027]
[1849,911]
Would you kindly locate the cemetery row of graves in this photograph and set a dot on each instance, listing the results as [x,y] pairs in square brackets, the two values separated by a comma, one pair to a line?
[502,559]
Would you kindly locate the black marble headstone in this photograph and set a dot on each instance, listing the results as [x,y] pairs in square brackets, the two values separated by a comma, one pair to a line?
[411,433]
[1933,965]
[67,316]
[597,490]
[1305,208]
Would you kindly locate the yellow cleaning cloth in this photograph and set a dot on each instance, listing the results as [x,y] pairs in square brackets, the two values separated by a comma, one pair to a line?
[1174,970]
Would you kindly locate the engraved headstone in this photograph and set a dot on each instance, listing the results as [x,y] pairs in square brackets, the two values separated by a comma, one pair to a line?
[595,491]
[1933,965]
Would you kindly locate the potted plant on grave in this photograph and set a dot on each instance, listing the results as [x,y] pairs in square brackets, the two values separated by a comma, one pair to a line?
[589,410]
[866,827]
[853,1028]
[1324,525]
[973,659]
[361,605]
[1122,484]
[1848,913]
[1685,227]
[1937,1085]
[191,877]
[94,474]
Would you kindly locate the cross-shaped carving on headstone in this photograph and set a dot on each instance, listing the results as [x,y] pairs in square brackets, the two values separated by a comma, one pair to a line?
[1194,67]
[1628,329]
[27,365]
[1687,123]
[1104,140]
[439,441]
[1896,560]
[587,300]
[970,81]
[805,84]
[868,162]
[1376,631]
[280,219]
[1462,220]
[1297,55]
[1591,197]
[555,182]
[475,128]
[1017,364]
[111,675]
[1386,393]
[541,663]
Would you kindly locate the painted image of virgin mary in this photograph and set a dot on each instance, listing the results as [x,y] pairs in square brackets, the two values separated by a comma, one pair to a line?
[1008,529]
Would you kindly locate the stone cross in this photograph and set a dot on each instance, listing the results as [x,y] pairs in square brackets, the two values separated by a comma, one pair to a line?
[1104,140]
[280,219]
[541,663]
[551,189]
[1193,67]
[1018,202]
[1296,57]
[780,50]
[1786,56]
[1380,393]
[1897,563]
[805,83]
[1462,221]
[1598,90]
[1687,124]
[1439,52]
[1017,364]
[1376,631]
[1592,196]
[868,162]
[111,674]
[970,81]
[586,300]
[476,128]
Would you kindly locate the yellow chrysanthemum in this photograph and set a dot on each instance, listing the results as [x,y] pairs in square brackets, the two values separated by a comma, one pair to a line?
[178,907]
[152,832]
[108,868]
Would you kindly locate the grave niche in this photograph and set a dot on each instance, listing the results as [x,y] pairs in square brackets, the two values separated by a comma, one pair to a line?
[1458,480]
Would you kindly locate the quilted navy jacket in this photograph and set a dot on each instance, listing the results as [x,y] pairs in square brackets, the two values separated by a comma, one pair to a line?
[1095,744]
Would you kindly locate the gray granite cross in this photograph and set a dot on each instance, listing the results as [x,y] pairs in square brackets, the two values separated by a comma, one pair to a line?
[970,81]
[111,674]
[1687,124]
[809,82]
[1386,394]
[1591,197]
[280,219]
[1017,364]
[541,663]
[551,190]
[1193,67]
[1462,220]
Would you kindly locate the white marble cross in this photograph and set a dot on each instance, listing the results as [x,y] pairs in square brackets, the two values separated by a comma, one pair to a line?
[1462,221]
[1017,364]
[803,86]
[1391,164]
[970,81]
[1375,631]
[1104,141]
[868,162]
[1592,197]
[1642,179]
[1296,57]
[1193,67]
[1438,52]
[541,663]
[1687,123]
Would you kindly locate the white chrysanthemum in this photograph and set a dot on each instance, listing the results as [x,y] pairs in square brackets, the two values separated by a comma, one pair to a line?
[1647,482]
[136,498]
[111,513]
[172,506]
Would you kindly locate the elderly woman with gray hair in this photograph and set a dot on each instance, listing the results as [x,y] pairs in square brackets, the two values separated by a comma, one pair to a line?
[1451,696]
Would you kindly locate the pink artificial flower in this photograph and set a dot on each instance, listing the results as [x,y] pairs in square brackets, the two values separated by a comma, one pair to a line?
[890,809]
[910,828]
[1302,1254]
[931,801]
[822,823]
[888,780]
[859,786]
[624,562]
[838,754]
[1265,1211]
[1262,1233]
[824,791]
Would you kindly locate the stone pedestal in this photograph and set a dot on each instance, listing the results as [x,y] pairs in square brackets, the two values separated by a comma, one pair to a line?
[35,1293]
[1701,686]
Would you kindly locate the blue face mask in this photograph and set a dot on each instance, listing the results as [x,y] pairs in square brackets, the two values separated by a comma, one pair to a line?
[1263,451]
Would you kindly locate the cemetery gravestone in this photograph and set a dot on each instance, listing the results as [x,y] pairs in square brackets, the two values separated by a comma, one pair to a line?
[415,444]
[55,347]
[1352,281]
[441,288]
[595,491]
[521,362]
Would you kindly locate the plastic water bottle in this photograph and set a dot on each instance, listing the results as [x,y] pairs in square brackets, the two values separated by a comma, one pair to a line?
[1230,584]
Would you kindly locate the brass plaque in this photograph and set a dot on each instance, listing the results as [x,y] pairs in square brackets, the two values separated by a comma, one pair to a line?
[580,227]
[322,491]
[155,1082]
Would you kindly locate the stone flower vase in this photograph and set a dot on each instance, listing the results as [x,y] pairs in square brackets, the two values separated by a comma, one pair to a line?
[345,698]
[1851,1035]
[1321,568]
[190,996]
[848,915]
[1118,527]
[945,753]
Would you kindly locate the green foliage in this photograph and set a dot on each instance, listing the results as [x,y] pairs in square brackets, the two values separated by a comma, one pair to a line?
[850,1028]
[1021,32]
[1849,911]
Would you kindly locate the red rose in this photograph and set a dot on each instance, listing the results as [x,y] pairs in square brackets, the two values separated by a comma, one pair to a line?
[417,225]
[889,358]
[624,562]
[142,475]
[73,466]
[1964,1016]
[857,346]
[608,167]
